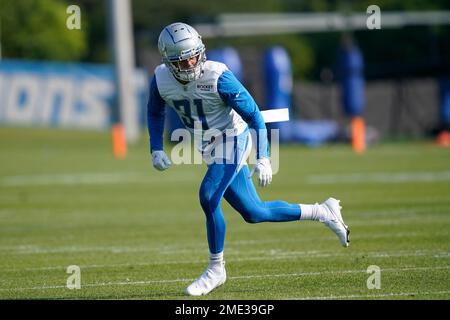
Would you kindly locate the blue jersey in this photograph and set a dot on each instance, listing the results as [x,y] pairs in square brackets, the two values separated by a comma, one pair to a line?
[217,100]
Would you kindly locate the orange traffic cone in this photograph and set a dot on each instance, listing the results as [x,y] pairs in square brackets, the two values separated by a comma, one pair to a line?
[119,141]
[443,139]
[358,134]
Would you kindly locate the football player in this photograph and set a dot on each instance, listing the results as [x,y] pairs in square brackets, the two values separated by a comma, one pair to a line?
[207,96]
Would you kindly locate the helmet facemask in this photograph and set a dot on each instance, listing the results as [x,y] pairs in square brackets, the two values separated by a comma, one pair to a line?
[182,70]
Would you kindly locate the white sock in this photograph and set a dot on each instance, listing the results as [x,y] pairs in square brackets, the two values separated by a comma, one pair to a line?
[216,259]
[313,212]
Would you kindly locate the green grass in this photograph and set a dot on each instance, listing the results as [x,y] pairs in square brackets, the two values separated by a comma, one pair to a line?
[137,233]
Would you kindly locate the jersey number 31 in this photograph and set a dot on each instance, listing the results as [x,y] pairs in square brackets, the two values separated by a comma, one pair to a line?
[184,110]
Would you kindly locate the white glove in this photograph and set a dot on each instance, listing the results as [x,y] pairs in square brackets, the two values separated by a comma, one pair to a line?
[263,169]
[160,160]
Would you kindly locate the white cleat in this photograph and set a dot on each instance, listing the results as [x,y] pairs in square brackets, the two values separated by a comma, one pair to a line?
[335,221]
[213,277]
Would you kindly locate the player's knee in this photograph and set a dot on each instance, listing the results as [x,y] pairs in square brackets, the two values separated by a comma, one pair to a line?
[205,198]
[253,216]
[250,219]
[208,200]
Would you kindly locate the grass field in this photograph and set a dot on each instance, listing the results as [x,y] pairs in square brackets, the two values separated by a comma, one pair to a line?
[137,233]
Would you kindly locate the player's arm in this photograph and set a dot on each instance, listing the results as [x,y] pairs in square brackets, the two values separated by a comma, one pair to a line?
[235,95]
[156,113]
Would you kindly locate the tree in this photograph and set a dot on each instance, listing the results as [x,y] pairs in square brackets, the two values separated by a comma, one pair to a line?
[36,29]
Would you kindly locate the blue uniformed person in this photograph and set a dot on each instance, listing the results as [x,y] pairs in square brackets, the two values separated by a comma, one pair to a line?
[207,93]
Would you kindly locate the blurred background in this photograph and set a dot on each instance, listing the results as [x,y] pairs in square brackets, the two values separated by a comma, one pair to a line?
[319,58]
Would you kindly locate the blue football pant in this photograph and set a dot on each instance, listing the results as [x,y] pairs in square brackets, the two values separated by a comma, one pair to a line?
[227,181]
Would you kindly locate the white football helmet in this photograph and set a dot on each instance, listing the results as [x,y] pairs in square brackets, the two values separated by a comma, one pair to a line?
[178,42]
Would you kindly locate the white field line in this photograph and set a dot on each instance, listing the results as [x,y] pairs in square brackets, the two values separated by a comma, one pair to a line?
[282,275]
[136,177]
[30,249]
[393,200]
[267,256]
[409,212]
[331,238]
[401,221]
[360,218]
[173,250]
[379,177]
[383,295]
[91,178]
[69,179]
